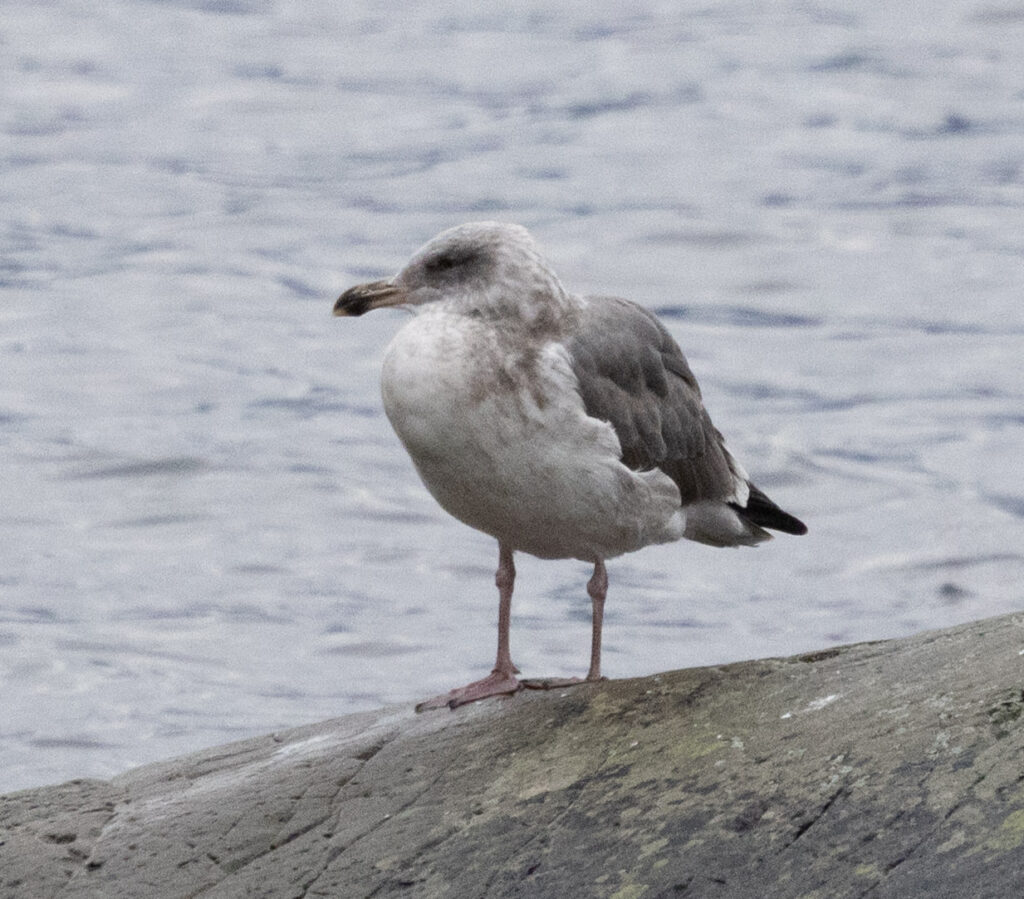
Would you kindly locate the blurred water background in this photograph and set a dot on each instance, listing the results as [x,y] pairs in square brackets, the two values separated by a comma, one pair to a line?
[207,528]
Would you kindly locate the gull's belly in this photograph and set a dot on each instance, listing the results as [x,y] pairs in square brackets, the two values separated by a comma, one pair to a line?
[502,441]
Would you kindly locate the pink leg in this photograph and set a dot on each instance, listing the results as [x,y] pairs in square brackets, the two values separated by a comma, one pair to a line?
[504,580]
[597,587]
[502,678]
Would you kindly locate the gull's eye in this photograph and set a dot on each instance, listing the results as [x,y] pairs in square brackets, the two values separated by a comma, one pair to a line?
[442,262]
[456,262]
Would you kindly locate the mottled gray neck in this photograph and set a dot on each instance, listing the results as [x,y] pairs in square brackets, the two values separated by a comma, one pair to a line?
[531,298]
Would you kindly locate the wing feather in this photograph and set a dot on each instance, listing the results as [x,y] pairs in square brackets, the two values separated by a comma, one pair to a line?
[633,375]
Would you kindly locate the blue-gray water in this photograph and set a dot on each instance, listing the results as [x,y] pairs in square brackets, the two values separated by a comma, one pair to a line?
[207,528]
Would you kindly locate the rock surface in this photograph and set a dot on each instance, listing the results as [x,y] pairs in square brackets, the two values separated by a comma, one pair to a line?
[889,769]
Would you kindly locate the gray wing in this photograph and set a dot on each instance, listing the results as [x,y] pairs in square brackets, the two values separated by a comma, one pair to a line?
[633,375]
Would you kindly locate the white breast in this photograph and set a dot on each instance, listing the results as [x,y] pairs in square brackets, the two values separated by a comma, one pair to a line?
[499,435]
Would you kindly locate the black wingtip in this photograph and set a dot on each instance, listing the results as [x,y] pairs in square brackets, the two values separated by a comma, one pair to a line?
[789,524]
[764,513]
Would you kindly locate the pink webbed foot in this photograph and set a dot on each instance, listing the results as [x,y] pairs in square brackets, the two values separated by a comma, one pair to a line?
[495,684]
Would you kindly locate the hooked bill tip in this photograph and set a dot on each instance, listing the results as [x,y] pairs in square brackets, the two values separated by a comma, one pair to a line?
[364,297]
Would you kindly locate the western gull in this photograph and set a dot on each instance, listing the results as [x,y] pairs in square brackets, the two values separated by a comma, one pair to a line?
[565,426]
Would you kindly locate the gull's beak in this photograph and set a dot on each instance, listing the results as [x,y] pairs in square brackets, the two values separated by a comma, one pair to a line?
[366,297]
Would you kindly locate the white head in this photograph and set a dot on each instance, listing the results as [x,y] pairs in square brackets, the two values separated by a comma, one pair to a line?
[484,268]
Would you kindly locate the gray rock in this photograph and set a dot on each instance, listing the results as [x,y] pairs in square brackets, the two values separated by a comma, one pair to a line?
[877,770]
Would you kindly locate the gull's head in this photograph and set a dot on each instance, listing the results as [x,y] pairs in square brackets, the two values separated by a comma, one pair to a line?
[489,267]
